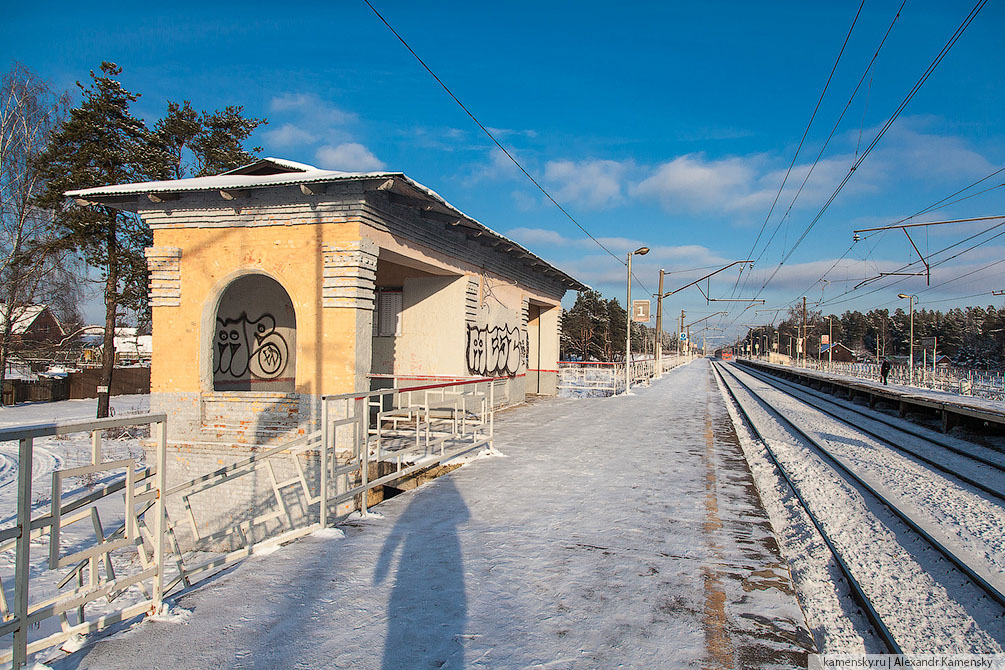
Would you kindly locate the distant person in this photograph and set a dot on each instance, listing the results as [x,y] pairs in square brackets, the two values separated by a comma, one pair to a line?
[884,370]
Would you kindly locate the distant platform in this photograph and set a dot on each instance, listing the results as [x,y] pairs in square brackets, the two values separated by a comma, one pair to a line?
[952,409]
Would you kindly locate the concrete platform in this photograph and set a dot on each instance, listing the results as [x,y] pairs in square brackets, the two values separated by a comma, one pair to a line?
[951,409]
[618,532]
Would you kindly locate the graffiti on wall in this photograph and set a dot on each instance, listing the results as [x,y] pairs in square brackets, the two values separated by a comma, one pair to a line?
[246,346]
[495,351]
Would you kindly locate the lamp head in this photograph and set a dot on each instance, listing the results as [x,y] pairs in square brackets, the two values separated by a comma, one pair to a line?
[903,296]
[641,251]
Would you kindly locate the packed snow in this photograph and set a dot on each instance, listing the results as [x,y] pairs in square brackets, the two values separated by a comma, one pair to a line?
[618,532]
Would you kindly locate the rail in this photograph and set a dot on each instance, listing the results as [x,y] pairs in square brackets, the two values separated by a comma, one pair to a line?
[27,623]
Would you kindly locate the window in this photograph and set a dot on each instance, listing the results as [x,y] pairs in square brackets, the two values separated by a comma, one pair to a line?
[387,321]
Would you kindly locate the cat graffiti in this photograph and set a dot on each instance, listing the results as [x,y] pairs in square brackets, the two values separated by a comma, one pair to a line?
[495,351]
[249,347]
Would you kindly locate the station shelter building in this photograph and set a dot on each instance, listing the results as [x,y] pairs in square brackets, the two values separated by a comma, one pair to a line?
[277,283]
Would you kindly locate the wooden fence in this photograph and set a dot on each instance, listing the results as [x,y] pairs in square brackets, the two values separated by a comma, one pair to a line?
[37,390]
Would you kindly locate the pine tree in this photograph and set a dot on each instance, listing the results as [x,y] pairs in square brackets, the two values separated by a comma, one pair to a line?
[102,143]
[199,143]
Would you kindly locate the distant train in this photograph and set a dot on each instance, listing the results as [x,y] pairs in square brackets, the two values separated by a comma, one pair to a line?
[724,354]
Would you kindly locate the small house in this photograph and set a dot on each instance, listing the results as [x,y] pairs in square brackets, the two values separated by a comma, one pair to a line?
[837,352]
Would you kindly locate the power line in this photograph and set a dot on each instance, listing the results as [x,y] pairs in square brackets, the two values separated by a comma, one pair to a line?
[803,138]
[886,126]
[830,136]
[489,134]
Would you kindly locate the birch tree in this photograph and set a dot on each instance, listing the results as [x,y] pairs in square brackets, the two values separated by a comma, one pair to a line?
[30,263]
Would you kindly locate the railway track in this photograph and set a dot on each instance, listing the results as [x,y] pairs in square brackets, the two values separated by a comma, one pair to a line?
[926,572]
[941,454]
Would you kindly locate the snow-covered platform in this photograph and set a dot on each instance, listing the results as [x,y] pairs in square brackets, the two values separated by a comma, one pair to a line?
[617,532]
[951,408]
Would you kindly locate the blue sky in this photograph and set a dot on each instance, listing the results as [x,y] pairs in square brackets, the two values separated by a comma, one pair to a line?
[664,124]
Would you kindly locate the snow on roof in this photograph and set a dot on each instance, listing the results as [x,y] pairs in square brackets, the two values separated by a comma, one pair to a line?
[23,317]
[135,344]
[226,181]
[293,173]
[277,165]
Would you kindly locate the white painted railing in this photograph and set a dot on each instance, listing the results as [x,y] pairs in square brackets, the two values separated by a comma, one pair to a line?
[595,379]
[366,440]
[142,506]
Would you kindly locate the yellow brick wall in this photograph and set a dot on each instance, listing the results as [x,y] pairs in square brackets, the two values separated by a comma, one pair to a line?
[212,258]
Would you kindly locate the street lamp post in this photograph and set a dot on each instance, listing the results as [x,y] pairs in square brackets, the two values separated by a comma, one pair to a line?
[641,251]
[910,360]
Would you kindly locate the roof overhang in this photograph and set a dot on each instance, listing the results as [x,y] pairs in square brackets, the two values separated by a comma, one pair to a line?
[274,173]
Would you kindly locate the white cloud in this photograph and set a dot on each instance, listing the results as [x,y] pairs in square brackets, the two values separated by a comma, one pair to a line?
[530,236]
[692,183]
[504,132]
[289,135]
[348,156]
[594,183]
[302,120]
[499,167]
[311,106]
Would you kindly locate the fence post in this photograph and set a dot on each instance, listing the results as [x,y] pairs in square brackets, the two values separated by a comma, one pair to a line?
[492,413]
[160,523]
[95,447]
[22,556]
[324,463]
[364,453]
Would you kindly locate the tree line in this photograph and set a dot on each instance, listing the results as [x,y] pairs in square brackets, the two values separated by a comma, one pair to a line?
[972,336]
[52,246]
[594,329]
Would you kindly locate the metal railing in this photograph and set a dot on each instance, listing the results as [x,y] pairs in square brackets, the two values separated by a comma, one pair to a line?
[83,565]
[365,441]
[597,379]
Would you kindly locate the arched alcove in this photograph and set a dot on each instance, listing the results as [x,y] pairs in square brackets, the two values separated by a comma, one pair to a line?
[254,339]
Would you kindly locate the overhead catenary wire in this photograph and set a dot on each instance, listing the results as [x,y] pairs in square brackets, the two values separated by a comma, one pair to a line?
[879,135]
[795,155]
[838,299]
[886,126]
[830,136]
[925,210]
[492,137]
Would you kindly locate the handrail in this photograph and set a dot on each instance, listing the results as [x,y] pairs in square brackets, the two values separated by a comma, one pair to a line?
[404,389]
[55,428]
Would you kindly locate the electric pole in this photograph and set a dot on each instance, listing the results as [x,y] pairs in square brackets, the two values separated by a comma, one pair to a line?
[804,331]
[659,325]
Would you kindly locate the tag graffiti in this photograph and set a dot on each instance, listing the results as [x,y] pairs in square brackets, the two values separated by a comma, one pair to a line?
[495,351]
[245,346]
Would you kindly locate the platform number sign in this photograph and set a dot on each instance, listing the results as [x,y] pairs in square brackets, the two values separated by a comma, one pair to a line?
[640,310]
[683,337]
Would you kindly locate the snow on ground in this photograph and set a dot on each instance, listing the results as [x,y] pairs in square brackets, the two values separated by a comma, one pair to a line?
[618,532]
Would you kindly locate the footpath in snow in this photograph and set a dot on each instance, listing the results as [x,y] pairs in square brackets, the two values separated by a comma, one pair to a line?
[619,532]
